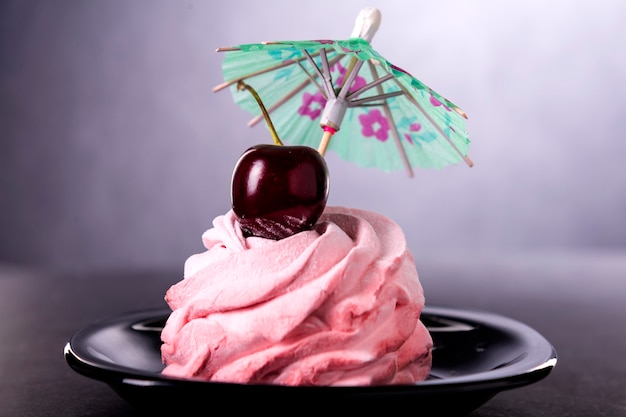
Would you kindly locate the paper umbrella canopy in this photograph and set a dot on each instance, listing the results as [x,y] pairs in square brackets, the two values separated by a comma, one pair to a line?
[377,114]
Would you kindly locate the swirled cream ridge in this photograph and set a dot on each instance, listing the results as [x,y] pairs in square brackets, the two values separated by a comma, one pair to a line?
[336,305]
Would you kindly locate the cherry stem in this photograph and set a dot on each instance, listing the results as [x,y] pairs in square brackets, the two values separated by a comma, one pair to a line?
[243,86]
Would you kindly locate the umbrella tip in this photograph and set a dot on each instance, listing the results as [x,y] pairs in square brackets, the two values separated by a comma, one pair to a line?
[367,23]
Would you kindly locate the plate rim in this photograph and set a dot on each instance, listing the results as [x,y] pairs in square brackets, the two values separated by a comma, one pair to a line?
[496,379]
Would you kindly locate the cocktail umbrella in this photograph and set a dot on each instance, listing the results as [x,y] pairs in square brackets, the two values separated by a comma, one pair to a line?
[388,119]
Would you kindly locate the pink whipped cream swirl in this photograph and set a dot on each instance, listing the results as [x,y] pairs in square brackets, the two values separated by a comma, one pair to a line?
[336,305]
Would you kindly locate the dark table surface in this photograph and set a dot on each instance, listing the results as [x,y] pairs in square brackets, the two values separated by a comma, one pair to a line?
[577,300]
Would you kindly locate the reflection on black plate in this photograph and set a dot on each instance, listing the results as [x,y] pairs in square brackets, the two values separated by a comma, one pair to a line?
[476,356]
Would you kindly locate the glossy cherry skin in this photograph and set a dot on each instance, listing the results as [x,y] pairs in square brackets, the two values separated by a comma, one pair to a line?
[278,191]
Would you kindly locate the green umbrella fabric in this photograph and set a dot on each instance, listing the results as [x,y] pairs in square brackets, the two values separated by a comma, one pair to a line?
[408,125]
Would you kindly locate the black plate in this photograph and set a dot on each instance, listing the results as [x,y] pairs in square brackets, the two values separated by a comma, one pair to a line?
[476,355]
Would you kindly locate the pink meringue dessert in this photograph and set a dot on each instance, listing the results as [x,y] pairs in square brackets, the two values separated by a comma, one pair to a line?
[335,305]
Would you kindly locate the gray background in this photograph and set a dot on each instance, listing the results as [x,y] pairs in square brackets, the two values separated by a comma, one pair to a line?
[114,152]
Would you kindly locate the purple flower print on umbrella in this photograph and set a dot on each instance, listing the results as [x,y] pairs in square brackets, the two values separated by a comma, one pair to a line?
[414,127]
[435,102]
[312,105]
[374,124]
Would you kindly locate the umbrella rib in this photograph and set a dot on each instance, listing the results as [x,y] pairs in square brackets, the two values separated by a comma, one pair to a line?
[292,93]
[283,64]
[350,79]
[361,101]
[394,129]
[313,80]
[370,85]
[466,158]
[325,76]
[228,49]
[396,138]
[328,79]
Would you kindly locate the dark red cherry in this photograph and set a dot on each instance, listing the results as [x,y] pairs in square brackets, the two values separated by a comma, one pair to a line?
[278,191]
